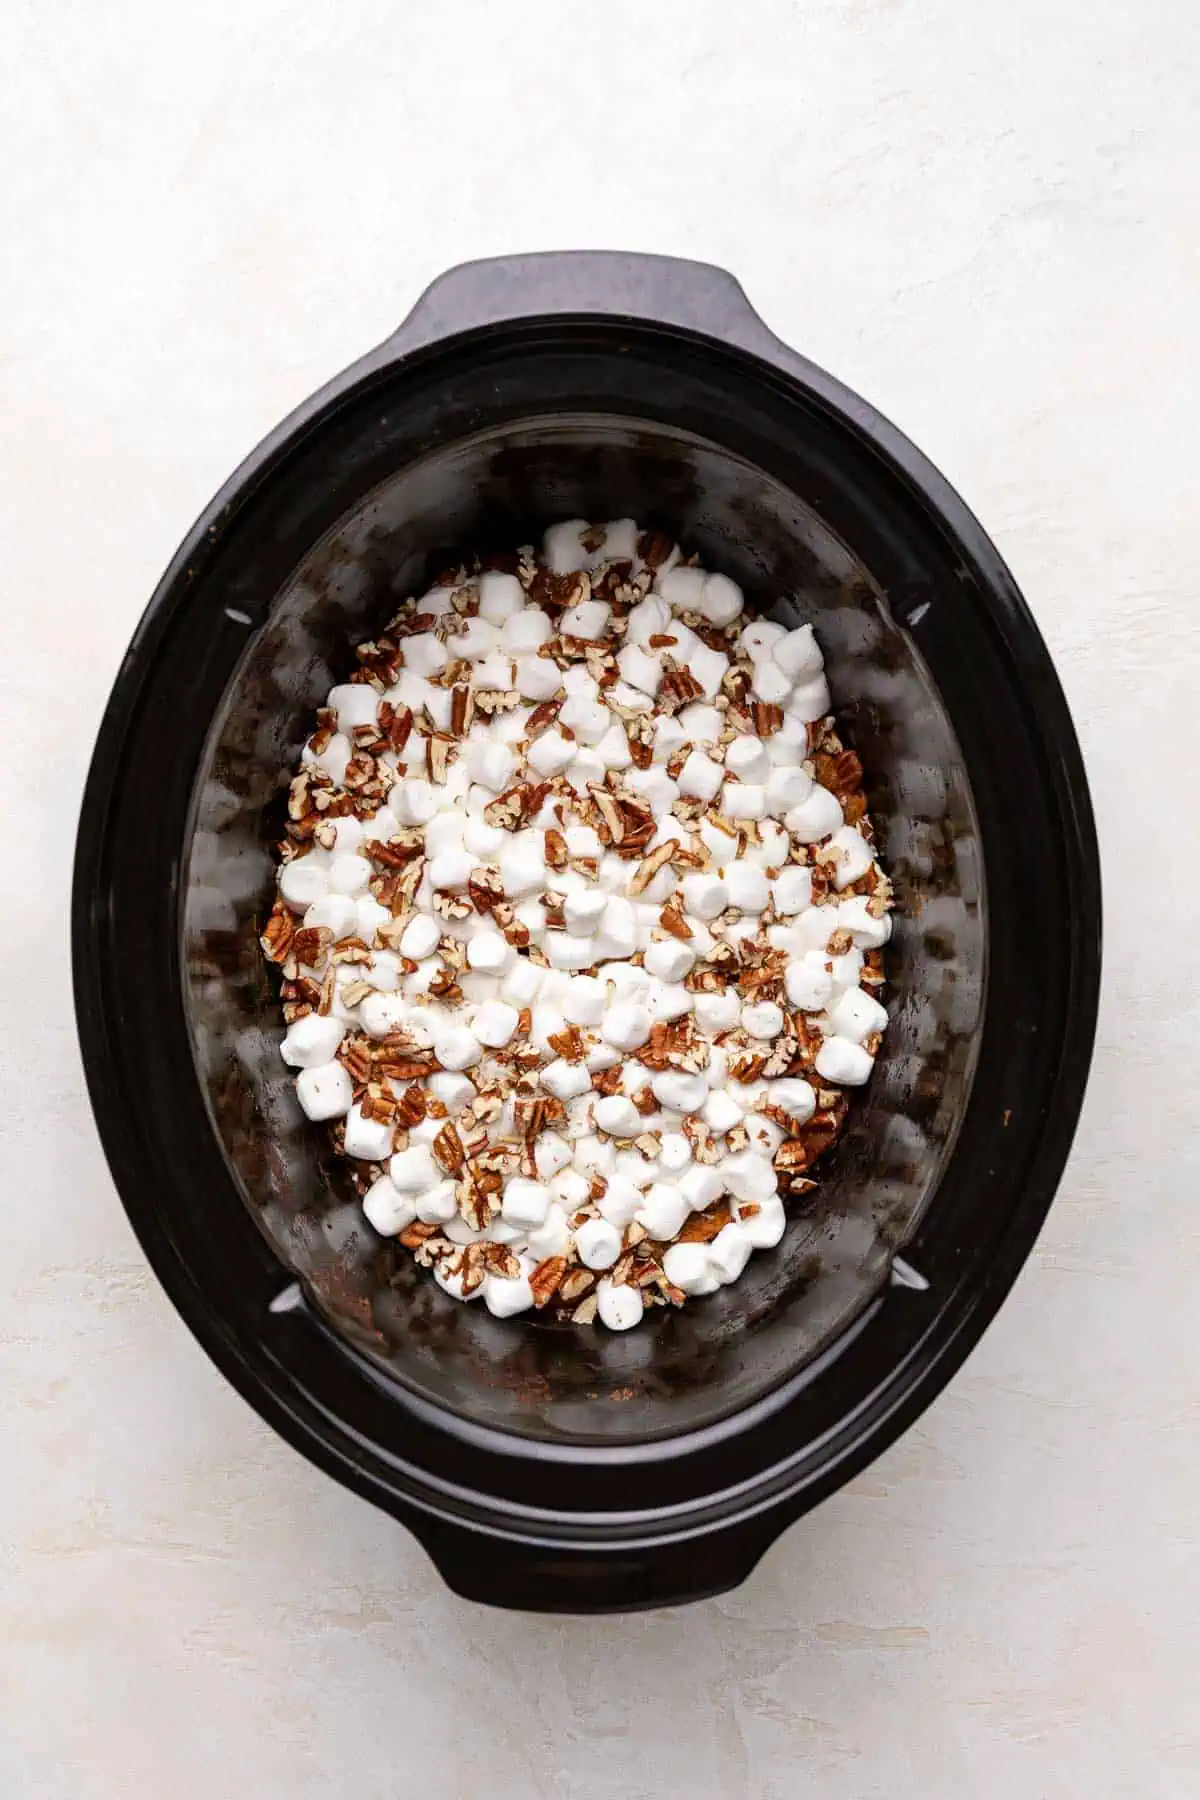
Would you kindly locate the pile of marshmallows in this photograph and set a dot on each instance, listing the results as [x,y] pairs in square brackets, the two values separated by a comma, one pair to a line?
[606,966]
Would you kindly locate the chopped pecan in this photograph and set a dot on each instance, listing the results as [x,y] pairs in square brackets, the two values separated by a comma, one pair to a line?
[547,1278]
[648,868]
[278,933]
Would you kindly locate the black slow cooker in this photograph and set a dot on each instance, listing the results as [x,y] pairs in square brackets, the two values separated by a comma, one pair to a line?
[554,1467]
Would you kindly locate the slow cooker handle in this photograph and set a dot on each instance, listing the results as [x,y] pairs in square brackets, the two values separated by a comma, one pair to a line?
[532,1578]
[669,290]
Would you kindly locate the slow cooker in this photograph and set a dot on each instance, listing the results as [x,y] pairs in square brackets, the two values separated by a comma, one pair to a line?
[567,1468]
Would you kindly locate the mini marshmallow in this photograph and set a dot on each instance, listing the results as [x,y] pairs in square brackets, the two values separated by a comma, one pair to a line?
[550,754]
[842,1061]
[489,952]
[552,1237]
[729,1253]
[525,631]
[868,932]
[794,1097]
[522,982]
[420,938]
[700,777]
[701,1186]
[657,789]
[333,759]
[453,1090]
[457,1048]
[747,1175]
[667,1000]
[709,667]
[382,1014]
[312,1041]
[640,669]
[501,596]
[598,1243]
[815,818]
[370,1140]
[765,1227]
[447,832]
[847,850]
[681,589]
[760,637]
[626,1025]
[437,1205]
[746,757]
[810,701]
[477,638]
[384,972]
[490,764]
[743,800]
[339,914]
[504,1298]
[620,1201]
[613,748]
[618,931]
[791,890]
[721,1113]
[762,1019]
[856,1015]
[536,677]
[324,1092]
[303,882]
[746,886]
[583,1002]
[425,654]
[562,549]
[564,1079]
[674,1153]
[522,868]
[586,769]
[355,703]
[494,1024]
[620,1308]
[704,895]
[387,1209]
[631,698]
[770,684]
[787,786]
[721,600]
[413,1171]
[663,1211]
[583,912]
[550,1154]
[808,983]
[565,950]
[618,1116]
[414,802]
[686,1266]
[798,654]
[681,1091]
[588,719]
[451,871]
[717,1012]
[524,1202]
[701,723]
[599,1057]
[670,959]
[588,620]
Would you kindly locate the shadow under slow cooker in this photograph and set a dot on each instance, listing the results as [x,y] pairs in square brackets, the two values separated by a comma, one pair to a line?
[745,515]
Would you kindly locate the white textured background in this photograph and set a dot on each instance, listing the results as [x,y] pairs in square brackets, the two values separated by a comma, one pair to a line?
[985,218]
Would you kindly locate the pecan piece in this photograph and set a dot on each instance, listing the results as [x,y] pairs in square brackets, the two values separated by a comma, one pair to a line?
[547,1278]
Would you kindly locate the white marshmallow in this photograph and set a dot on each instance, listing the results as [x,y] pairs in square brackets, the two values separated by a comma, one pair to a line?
[588,719]
[613,748]
[550,1154]
[663,1210]
[687,1267]
[420,937]
[561,547]
[701,723]
[674,1153]
[525,631]
[477,639]
[721,601]
[618,1116]
[339,913]
[618,931]
[670,959]
[667,1000]
[312,1041]
[759,638]
[746,886]
[588,620]
[598,1243]
[457,1048]
[333,759]
[325,1092]
[382,1014]
[564,1080]
[700,777]
[681,589]
[765,1227]
[414,801]
[746,757]
[704,895]
[583,912]
[792,890]
[721,1112]
[762,1019]
[681,1091]
[856,1015]
[537,677]
[437,1204]
[794,1097]
[501,596]
[490,953]
[490,764]
[620,1200]
[770,683]
[303,882]
[566,950]
[524,1202]
[620,1308]
[387,1209]
[788,785]
[522,982]
[552,1237]
[451,871]
[504,1298]
[847,850]
[798,654]
[494,1024]
[808,982]
[747,1175]
[657,789]
[424,654]
[453,1090]
[729,1253]
[550,754]
[355,703]
[522,867]
[701,1186]
[369,1140]
[810,701]
[842,1061]
[743,800]
[717,1012]
[815,818]
[626,1025]
[640,669]
[584,1000]
[631,698]
[413,1171]
[868,932]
